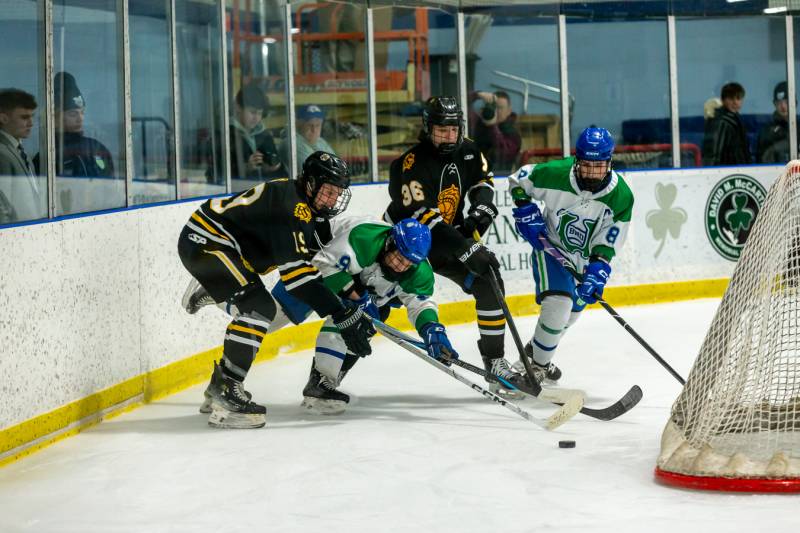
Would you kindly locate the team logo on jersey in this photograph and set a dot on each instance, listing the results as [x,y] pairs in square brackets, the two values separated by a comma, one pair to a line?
[448,203]
[408,161]
[303,212]
[575,233]
[731,210]
[469,156]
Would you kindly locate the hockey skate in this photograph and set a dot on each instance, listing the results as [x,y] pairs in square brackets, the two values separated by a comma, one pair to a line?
[232,408]
[500,367]
[195,297]
[321,397]
[548,373]
[213,386]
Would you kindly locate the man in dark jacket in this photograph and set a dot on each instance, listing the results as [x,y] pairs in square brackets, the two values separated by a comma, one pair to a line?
[725,142]
[253,151]
[773,139]
[494,129]
[76,154]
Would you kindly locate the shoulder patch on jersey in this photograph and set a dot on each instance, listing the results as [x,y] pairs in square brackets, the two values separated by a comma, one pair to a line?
[484,163]
[448,202]
[408,161]
[469,156]
[302,211]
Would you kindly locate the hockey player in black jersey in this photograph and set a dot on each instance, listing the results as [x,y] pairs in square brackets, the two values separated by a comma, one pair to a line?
[430,183]
[228,242]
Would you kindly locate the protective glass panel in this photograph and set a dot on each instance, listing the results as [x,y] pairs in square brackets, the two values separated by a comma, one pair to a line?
[23,186]
[151,102]
[415,58]
[87,85]
[619,85]
[514,99]
[745,57]
[201,158]
[330,83]
[256,88]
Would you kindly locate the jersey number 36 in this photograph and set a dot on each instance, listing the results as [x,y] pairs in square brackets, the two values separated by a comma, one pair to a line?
[412,192]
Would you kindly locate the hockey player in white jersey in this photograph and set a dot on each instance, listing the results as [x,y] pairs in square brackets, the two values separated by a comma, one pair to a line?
[376,266]
[585,212]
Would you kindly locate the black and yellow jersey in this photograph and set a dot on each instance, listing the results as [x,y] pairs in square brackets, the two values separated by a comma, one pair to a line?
[270,226]
[431,187]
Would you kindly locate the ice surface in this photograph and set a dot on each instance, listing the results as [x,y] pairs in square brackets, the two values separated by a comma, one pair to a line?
[416,451]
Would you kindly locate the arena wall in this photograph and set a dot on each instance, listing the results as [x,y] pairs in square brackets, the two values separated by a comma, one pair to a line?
[92,323]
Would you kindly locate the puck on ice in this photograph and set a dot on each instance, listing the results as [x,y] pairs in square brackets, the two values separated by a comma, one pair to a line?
[566,444]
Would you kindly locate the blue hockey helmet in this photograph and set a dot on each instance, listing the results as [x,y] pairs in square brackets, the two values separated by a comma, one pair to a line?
[412,239]
[594,144]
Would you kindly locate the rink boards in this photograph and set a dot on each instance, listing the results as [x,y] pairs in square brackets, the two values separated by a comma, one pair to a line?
[92,322]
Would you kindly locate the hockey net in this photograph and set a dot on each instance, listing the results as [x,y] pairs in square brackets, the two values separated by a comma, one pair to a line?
[736,424]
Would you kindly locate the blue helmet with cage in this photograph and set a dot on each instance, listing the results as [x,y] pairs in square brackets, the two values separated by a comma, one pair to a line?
[412,239]
[594,144]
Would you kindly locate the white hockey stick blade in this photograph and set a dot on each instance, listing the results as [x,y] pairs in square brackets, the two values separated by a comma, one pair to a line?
[572,402]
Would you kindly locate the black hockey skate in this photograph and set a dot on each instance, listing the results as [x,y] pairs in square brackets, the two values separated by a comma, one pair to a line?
[548,373]
[214,385]
[232,408]
[195,297]
[321,397]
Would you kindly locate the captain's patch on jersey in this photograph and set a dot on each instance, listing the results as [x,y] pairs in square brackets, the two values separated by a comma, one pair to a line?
[303,212]
[448,203]
[408,161]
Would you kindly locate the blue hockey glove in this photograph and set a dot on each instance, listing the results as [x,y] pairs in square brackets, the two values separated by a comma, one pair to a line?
[530,224]
[437,343]
[367,304]
[595,277]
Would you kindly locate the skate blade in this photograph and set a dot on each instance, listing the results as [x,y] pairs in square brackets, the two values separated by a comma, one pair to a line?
[222,418]
[506,393]
[205,408]
[323,407]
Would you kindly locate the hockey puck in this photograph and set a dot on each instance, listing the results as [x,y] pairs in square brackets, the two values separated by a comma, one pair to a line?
[566,444]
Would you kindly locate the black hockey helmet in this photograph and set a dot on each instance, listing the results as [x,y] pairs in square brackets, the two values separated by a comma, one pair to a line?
[442,111]
[318,169]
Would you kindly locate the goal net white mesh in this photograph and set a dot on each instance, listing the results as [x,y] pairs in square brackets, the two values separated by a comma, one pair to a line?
[738,415]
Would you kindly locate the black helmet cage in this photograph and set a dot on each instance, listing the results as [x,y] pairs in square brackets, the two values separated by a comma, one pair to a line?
[321,168]
[443,111]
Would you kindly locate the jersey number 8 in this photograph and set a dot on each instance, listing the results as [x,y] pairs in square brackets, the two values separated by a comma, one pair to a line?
[412,193]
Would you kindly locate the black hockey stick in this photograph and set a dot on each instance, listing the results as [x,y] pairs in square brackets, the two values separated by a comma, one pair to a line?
[615,410]
[561,415]
[556,254]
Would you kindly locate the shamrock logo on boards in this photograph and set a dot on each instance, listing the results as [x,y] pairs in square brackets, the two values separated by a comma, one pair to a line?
[741,217]
[666,219]
[731,210]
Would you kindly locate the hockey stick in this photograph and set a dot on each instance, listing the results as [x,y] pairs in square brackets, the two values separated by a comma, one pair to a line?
[615,410]
[553,421]
[556,254]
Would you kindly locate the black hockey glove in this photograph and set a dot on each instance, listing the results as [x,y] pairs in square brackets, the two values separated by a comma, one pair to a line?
[479,218]
[479,259]
[356,329]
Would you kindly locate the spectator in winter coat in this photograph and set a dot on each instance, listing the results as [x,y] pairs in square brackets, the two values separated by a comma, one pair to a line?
[725,142]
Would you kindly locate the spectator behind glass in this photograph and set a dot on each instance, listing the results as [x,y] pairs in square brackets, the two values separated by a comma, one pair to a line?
[725,141]
[76,154]
[253,151]
[494,129]
[21,197]
[309,139]
[773,139]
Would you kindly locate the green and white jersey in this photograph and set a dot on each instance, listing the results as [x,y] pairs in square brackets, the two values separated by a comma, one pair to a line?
[580,223]
[354,250]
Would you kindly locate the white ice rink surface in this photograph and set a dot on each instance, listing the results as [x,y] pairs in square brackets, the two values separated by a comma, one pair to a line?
[416,451]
